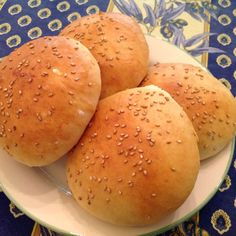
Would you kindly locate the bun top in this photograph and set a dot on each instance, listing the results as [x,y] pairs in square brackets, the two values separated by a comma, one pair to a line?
[118,44]
[207,102]
[49,89]
[138,159]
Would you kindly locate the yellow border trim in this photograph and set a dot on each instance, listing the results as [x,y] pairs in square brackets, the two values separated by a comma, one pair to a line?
[207,27]
[204,60]
[36,230]
[110,6]
[2,3]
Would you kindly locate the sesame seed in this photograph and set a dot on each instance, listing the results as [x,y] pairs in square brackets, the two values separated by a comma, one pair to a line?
[70,93]
[120,180]
[48,66]
[50,94]
[153,195]
[130,183]
[138,129]
[140,150]
[149,161]
[141,156]
[39,117]
[44,74]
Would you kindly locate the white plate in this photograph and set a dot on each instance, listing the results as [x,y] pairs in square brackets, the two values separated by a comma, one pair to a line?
[43,201]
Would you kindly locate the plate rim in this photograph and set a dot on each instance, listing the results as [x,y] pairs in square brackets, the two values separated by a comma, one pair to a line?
[160,230]
[210,196]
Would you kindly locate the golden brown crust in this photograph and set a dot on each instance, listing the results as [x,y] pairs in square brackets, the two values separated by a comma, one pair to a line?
[119,46]
[137,160]
[207,102]
[49,90]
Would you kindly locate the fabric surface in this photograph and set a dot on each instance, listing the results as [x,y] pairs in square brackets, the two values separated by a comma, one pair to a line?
[184,23]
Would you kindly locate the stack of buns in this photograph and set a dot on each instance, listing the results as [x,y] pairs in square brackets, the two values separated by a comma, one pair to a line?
[133,156]
[119,46]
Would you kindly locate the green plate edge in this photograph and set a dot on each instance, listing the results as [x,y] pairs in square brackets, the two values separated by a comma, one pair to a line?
[159,231]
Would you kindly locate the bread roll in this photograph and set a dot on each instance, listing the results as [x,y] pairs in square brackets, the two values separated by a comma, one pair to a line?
[207,102]
[137,160]
[119,46]
[49,89]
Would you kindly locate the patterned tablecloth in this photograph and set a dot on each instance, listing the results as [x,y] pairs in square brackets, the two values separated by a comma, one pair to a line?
[204,28]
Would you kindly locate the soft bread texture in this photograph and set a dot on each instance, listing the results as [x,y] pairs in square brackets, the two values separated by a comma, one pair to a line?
[138,159]
[49,89]
[207,102]
[118,44]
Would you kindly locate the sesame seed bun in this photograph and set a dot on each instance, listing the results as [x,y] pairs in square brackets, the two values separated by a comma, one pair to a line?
[49,89]
[138,159]
[207,102]
[118,44]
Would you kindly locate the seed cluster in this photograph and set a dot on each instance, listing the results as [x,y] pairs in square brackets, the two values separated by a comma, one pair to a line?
[114,47]
[200,101]
[30,85]
[101,44]
[118,134]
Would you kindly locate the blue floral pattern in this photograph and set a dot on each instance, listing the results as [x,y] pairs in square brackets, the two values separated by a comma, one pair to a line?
[24,20]
[166,16]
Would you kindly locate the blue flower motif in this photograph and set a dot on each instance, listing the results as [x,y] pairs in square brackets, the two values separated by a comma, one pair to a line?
[224,3]
[224,19]
[224,39]
[226,184]
[165,15]
[224,61]
[220,221]
[150,19]
[15,211]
